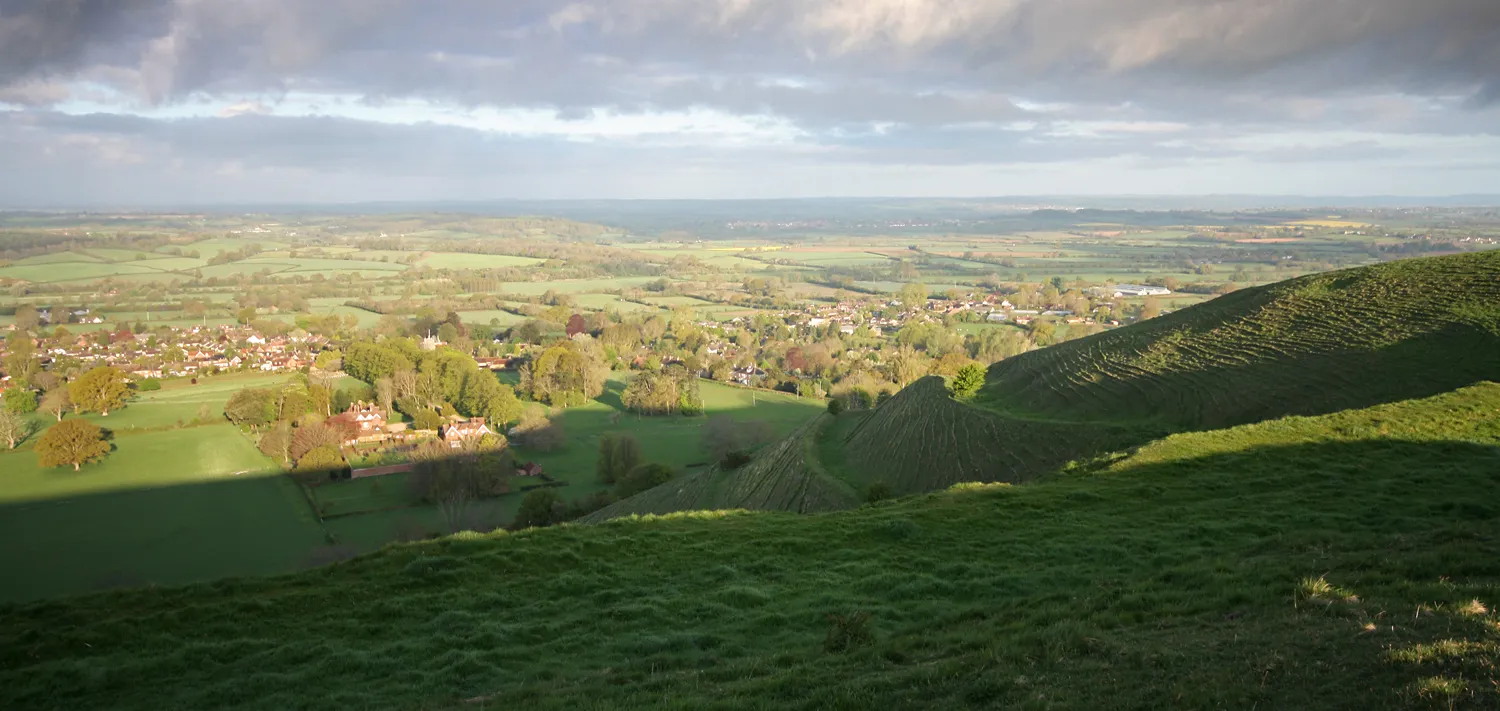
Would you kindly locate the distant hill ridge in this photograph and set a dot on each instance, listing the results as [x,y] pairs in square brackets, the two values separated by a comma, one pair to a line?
[1307,346]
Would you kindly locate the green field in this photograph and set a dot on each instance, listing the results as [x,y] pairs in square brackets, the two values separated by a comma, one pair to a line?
[70,271]
[179,400]
[458,260]
[164,508]
[1225,569]
[506,318]
[671,440]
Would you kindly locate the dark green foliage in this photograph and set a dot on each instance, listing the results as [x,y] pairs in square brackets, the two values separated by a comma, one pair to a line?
[618,454]
[878,491]
[371,361]
[540,507]
[147,384]
[643,477]
[253,407]
[426,419]
[835,407]
[846,632]
[968,381]
[735,459]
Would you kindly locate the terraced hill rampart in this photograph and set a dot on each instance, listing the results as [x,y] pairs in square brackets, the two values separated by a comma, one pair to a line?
[922,440]
[783,477]
[1311,345]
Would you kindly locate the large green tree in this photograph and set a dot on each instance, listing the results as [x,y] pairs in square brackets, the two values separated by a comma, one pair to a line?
[21,401]
[255,407]
[75,442]
[485,396]
[99,390]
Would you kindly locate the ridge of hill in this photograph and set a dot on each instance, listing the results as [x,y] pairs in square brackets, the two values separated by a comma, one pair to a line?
[1310,345]
[1345,561]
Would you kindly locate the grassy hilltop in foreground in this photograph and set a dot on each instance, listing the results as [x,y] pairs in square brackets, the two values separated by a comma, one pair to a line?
[1310,345]
[1349,561]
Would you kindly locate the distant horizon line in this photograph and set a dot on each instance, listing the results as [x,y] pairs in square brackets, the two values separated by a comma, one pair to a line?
[1072,201]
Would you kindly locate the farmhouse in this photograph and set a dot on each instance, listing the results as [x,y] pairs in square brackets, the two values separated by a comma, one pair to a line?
[458,433]
[367,417]
[1139,290]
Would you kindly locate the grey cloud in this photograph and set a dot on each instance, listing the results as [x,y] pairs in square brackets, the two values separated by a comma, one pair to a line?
[536,50]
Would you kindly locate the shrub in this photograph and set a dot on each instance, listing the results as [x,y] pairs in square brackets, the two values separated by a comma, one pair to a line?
[147,384]
[642,478]
[968,381]
[878,491]
[735,459]
[427,420]
[835,407]
[845,632]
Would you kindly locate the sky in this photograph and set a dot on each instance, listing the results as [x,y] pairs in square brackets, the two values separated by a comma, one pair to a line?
[180,102]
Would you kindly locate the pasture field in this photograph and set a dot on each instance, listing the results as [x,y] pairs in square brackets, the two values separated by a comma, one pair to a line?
[606,302]
[121,255]
[165,507]
[181,401]
[460,260]
[506,318]
[215,246]
[301,264]
[70,271]
[73,256]
[171,264]
[672,440]
[573,286]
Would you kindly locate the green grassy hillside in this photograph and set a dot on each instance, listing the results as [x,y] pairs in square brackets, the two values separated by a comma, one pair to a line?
[785,476]
[1311,345]
[1349,561]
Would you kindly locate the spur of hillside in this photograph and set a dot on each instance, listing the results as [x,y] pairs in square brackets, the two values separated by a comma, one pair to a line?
[1345,561]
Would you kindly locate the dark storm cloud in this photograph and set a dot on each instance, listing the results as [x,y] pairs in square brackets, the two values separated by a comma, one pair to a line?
[626,52]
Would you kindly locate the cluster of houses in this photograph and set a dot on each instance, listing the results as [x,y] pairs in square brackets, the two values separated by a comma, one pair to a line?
[367,424]
[187,351]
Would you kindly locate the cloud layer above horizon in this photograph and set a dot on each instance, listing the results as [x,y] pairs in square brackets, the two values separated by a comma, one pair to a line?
[227,101]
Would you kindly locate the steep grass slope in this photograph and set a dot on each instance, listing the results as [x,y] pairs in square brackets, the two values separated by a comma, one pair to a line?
[1349,561]
[783,477]
[922,440]
[1312,345]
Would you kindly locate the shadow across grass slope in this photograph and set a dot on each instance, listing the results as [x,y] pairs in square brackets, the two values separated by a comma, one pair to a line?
[1339,562]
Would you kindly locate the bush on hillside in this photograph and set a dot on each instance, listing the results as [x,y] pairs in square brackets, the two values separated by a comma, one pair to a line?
[642,478]
[968,381]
